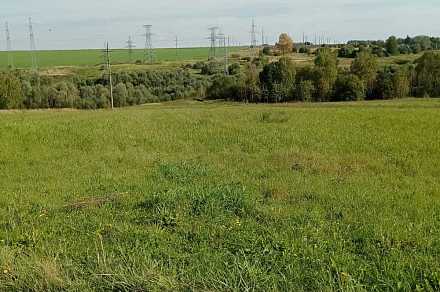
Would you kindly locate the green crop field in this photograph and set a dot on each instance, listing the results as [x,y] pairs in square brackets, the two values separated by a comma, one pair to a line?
[47,59]
[194,196]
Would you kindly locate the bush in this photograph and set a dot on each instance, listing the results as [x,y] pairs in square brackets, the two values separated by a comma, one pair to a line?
[347,52]
[11,94]
[212,68]
[267,51]
[120,95]
[234,69]
[223,87]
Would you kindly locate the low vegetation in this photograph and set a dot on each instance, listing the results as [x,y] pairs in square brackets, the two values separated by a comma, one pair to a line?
[205,197]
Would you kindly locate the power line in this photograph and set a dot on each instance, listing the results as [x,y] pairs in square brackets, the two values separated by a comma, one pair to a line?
[109,71]
[9,47]
[130,45]
[33,47]
[149,52]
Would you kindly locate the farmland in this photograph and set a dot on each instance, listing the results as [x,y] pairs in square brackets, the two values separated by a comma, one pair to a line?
[219,196]
[68,58]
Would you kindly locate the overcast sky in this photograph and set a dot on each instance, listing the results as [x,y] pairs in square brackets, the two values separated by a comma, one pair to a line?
[74,24]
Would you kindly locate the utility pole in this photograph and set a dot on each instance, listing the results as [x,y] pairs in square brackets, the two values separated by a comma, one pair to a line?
[9,47]
[149,52]
[213,39]
[33,47]
[177,48]
[109,72]
[130,45]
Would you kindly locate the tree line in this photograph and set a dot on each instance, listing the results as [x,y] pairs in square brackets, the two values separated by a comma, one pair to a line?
[31,91]
[282,81]
[393,46]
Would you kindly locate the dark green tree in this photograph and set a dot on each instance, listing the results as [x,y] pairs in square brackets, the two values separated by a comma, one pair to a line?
[392,46]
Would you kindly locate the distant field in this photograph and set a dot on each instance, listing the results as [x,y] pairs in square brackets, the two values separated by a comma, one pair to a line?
[203,197]
[22,59]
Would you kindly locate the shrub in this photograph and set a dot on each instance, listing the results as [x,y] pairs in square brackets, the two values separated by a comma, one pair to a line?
[234,69]
[212,68]
[120,95]
[223,87]
[11,94]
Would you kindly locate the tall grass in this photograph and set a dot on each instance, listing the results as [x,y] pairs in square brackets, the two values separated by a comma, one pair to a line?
[222,197]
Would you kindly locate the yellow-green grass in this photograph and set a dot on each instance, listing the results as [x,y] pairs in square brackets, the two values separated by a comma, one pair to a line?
[233,197]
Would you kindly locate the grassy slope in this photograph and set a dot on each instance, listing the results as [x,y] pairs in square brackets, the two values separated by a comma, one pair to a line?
[22,59]
[302,197]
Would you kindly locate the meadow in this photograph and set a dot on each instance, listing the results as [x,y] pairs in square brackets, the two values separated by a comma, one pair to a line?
[47,59]
[193,196]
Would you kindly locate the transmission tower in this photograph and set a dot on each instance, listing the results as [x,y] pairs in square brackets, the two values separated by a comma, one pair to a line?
[254,38]
[263,41]
[130,45]
[227,46]
[9,47]
[33,47]
[213,40]
[108,68]
[149,51]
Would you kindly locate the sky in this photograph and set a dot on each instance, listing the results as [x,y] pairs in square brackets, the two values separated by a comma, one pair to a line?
[79,24]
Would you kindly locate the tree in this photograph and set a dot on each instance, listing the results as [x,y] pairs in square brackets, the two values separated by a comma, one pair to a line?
[325,74]
[11,94]
[250,84]
[285,44]
[392,46]
[304,90]
[278,79]
[394,82]
[401,82]
[428,75]
[365,67]
[349,87]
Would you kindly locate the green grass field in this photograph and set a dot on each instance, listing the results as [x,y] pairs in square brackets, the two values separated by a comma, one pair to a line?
[192,196]
[47,59]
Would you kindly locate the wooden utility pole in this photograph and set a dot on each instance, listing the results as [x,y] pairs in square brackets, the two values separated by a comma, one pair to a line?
[109,72]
